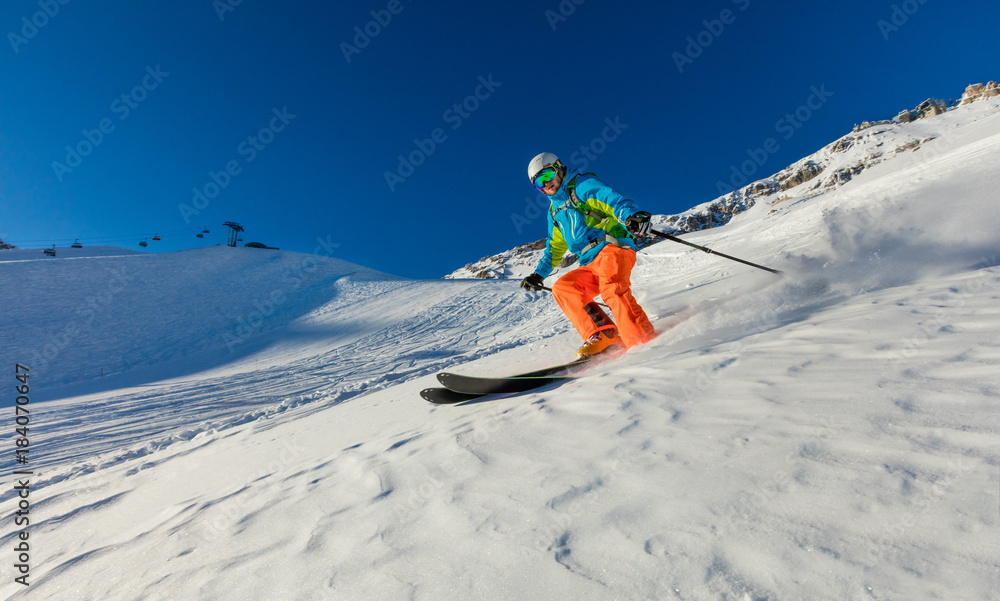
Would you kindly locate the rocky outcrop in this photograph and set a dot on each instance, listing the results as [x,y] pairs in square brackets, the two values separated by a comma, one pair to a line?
[979,91]
[844,143]
[927,108]
[931,107]
[5,246]
[801,175]
[936,106]
[843,175]
[868,124]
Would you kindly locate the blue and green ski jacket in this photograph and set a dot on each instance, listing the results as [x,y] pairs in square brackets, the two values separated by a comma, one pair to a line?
[585,229]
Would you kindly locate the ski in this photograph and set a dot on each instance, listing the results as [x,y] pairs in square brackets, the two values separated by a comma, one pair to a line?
[503,385]
[460,388]
[443,396]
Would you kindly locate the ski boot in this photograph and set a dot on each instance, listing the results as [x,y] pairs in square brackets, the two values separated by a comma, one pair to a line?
[605,341]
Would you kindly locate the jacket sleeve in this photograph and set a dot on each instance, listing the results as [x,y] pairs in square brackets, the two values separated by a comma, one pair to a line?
[555,248]
[611,199]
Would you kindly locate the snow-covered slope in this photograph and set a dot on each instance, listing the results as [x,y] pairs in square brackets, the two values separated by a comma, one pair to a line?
[135,316]
[831,434]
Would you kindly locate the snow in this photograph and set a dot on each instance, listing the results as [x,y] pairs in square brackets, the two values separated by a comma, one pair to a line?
[257,432]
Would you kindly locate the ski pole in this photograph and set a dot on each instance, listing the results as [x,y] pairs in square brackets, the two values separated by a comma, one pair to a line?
[601,304]
[711,252]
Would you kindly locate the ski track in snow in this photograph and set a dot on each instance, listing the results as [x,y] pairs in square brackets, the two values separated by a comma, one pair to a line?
[416,345]
[831,434]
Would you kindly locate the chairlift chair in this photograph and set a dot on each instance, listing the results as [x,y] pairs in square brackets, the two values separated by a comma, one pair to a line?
[156,236]
[77,244]
[143,243]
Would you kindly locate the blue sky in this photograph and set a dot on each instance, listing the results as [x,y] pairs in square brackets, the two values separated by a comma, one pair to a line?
[291,117]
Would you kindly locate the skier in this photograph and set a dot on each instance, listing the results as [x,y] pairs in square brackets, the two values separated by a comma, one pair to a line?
[597,223]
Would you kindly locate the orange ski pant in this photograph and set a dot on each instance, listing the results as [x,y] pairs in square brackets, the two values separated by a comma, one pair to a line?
[609,275]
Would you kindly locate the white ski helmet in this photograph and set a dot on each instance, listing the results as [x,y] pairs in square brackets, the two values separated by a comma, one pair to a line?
[541,162]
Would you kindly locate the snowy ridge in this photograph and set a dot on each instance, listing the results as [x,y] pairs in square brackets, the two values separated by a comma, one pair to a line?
[826,435]
[827,169]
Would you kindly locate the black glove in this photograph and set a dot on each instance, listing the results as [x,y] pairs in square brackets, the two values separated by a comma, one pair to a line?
[638,224]
[533,282]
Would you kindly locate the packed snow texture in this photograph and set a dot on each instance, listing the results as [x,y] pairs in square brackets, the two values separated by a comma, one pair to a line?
[257,431]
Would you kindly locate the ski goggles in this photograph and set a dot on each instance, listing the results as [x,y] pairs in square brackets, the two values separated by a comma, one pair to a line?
[547,174]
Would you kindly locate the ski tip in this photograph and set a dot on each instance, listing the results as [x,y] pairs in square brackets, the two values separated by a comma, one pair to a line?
[444,396]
